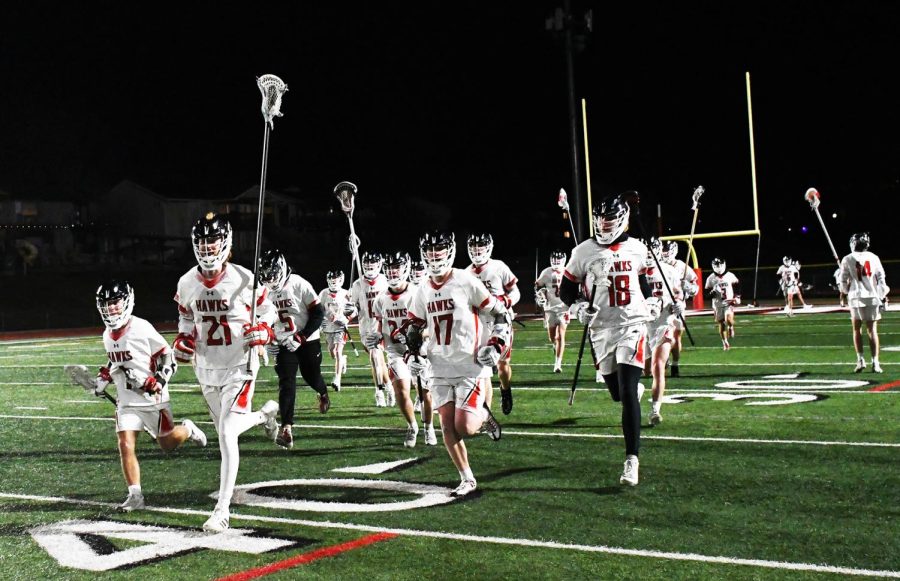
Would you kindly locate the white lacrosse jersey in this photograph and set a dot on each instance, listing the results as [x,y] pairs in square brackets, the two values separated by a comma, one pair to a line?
[215,312]
[292,305]
[496,276]
[724,284]
[450,313]
[622,303]
[863,279]
[135,350]
[687,280]
[334,304]
[390,311]
[658,287]
[362,294]
[788,276]
[550,279]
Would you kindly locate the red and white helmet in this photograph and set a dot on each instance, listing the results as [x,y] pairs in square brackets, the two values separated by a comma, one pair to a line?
[396,268]
[480,248]
[371,265]
[438,250]
[610,219]
[211,238]
[115,301]
[557,259]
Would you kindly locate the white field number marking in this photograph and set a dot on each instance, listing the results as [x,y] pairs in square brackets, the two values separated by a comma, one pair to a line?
[771,398]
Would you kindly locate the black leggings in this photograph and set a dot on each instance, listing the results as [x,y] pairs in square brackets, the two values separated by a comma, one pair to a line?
[308,359]
[622,386]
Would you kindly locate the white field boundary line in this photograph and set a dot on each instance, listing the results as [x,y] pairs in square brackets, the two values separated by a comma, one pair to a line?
[527,433]
[799,364]
[653,554]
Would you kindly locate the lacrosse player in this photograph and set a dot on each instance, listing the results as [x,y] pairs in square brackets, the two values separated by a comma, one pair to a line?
[798,288]
[689,287]
[862,279]
[216,334]
[500,282]
[417,272]
[614,263]
[458,350]
[661,330]
[390,310]
[725,290]
[556,316]
[362,294]
[339,310]
[296,344]
[788,280]
[140,365]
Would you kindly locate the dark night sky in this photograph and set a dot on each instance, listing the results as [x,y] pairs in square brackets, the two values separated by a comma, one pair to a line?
[464,104]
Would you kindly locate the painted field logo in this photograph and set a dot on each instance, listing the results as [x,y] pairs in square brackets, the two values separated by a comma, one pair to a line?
[88,545]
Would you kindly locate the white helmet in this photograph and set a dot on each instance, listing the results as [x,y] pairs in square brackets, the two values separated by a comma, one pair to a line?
[115,301]
[211,237]
[396,268]
[480,247]
[438,250]
[335,280]
[671,249]
[371,265]
[557,259]
[795,263]
[786,260]
[610,219]
[656,247]
[718,266]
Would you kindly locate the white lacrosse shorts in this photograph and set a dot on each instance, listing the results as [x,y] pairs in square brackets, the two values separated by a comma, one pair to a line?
[156,418]
[619,346]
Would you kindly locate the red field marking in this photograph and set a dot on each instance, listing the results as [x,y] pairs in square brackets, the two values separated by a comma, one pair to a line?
[886,386]
[305,558]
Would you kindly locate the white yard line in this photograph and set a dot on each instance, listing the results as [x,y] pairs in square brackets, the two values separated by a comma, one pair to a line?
[531,434]
[520,542]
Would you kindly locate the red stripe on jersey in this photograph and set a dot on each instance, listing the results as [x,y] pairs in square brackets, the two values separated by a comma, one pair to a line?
[639,354]
[183,310]
[210,282]
[262,297]
[485,302]
[477,329]
[510,284]
[419,322]
[437,286]
[311,306]
[116,334]
[570,276]
[154,357]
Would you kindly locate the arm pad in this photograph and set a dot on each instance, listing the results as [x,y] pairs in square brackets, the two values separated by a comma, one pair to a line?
[316,316]
[165,368]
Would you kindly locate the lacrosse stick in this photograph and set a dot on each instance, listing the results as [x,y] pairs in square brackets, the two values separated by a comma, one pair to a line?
[698,191]
[353,245]
[345,192]
[812,196]
[634,200]
[605,265]
[414,340]
[80,376]
[563,202]
[272,88]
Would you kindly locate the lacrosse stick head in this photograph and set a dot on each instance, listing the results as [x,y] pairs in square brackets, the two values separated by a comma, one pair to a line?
[345,192]
[272,88]
[698,191]
[563,200]
[80,376]
[812,196]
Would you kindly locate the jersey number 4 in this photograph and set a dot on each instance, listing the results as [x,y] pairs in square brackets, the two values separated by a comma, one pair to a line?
[863,270]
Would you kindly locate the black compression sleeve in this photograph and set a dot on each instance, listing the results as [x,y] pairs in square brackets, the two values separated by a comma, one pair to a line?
[316,316]
[568,291]
[645,286]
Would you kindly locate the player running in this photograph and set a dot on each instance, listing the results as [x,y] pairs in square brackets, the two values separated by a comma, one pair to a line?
[689,286]
[862,279]
[390,311]
[725,290]
[661,329]
[500,282]
[556,316]
[787,280]
[362,295]
[339,310]
[140,364]
[613,263]
[297,344]
[216,334]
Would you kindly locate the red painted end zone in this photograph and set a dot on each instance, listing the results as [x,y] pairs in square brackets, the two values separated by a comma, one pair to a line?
[886,386]
[305,558]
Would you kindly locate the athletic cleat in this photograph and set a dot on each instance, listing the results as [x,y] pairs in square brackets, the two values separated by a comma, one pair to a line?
[655,418]
[557,368]
[379,398]
[430,436]
[135,501]
[674,371]
[218,521]
[630,473]
[506,401]
[285,437]
[876,368]
[491,426]
[411,433]
[860,365]
[640,391]
[269,410]
[324,402]
[600,377]
[195,434]
[725,345]
[336,385]
[465,487]
[417,407]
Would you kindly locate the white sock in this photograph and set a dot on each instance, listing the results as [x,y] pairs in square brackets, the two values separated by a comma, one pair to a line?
[860,358]
[135,489]
[413,425]
[426,426]
[655,406]
[875,361]
[466,474]
[231,426]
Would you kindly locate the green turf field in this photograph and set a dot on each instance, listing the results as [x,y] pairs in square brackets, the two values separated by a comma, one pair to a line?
[731,486]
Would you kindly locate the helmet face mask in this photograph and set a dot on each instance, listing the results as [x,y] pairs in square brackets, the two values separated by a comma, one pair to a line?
[396,269]
[438,250]
[335,280]
[417,272]
[655,247]
[557,259]
[786,260]
[115,302]
[610,219]
[211,239]
[671,251]
[273,270]
[859,242]
[371,265]
[480,248]
[718,266]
